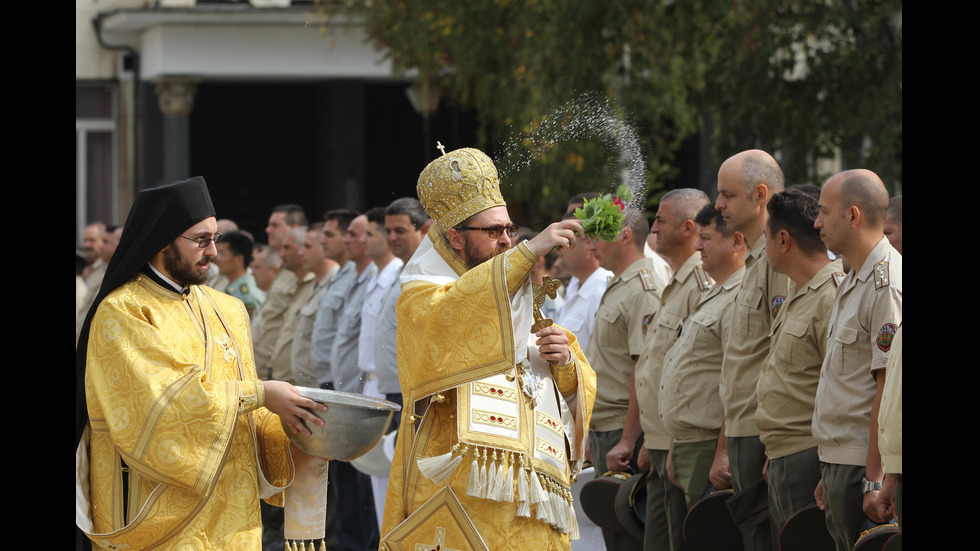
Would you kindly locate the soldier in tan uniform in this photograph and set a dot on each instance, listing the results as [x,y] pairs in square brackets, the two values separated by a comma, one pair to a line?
[890,432]
[746,182]
[788,379]
[281,359]
[631,299]
[267,325]
[323,270]
[866,314]
[689,404]
[674,235]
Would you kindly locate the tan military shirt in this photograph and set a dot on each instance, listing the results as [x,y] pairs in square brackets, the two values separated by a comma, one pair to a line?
[763,291]
[864,319]
[890,412]
[690,406]
[680,297]
[282,369]
[304,374]
[621,324]
[267,324]
[662,272]
[789,376]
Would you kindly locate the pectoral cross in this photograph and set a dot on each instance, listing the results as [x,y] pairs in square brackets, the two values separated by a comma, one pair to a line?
[547,288]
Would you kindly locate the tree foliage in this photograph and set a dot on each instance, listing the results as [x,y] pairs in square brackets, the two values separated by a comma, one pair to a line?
[810,81]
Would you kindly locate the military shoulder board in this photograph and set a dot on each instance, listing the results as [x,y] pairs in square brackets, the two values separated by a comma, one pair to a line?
[646,278]
[704,281]
[837,278]
[881,275]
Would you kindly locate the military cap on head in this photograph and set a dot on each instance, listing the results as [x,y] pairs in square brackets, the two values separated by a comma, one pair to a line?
[458,185]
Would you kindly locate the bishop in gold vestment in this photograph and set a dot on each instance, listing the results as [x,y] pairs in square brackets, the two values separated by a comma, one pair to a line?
[492,434]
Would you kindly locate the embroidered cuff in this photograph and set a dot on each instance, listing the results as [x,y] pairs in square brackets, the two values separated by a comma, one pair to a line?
[252,396]
[566,378]
[526,252]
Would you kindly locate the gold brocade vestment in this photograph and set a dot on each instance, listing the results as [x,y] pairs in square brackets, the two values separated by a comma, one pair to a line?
[177,431]
[457,332]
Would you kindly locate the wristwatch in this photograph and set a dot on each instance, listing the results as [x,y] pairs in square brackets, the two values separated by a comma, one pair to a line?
[868,486]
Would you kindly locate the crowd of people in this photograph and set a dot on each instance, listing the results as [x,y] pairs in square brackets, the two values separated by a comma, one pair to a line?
[739,344]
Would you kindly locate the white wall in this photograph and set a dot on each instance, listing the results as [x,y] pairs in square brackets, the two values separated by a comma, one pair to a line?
[222,42]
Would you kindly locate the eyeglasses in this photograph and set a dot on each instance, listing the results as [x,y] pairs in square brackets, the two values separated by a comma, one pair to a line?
[496,231]
[203,242]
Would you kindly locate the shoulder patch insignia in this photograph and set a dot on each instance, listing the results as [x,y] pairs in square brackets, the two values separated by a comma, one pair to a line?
[885,336]
[704,281]
[881,275]
[837,278]
[646,322]
[777,301]
[646,278]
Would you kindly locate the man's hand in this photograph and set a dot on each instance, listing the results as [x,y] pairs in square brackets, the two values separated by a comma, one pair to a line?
[618,458]
[720,473]
[284,400]
[887,497]
[553,345]
[876,508]
[818,495]
[643,460]
[765,471]
[559,234]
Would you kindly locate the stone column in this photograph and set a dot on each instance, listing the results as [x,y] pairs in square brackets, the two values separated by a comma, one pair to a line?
[176,97]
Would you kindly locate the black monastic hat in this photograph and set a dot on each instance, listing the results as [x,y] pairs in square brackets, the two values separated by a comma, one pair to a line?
[158,216]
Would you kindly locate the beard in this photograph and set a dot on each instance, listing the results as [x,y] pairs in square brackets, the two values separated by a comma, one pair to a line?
[183,271]
[475,256]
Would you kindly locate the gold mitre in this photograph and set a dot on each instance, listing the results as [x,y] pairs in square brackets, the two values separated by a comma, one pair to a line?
[458,185]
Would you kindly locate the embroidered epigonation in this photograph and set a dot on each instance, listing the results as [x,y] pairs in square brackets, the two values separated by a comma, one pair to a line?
[438,544]
[550,422]
[494,391]
[494,419]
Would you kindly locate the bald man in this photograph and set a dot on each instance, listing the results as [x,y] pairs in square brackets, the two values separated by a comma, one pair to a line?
[866,314]
[746,182]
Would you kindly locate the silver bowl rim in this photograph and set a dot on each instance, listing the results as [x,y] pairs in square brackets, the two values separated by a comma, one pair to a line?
[336,397]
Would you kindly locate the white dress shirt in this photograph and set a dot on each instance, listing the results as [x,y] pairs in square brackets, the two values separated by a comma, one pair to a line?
[581,302]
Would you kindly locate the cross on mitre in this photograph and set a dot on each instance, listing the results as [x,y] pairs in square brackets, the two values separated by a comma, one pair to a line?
[441,147]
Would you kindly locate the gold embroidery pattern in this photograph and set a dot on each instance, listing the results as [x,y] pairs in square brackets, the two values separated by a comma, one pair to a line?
[548,448]
[550,422]
[494,419]
[494,391]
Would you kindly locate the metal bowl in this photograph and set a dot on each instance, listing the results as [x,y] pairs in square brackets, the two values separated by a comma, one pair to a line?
[353,424]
